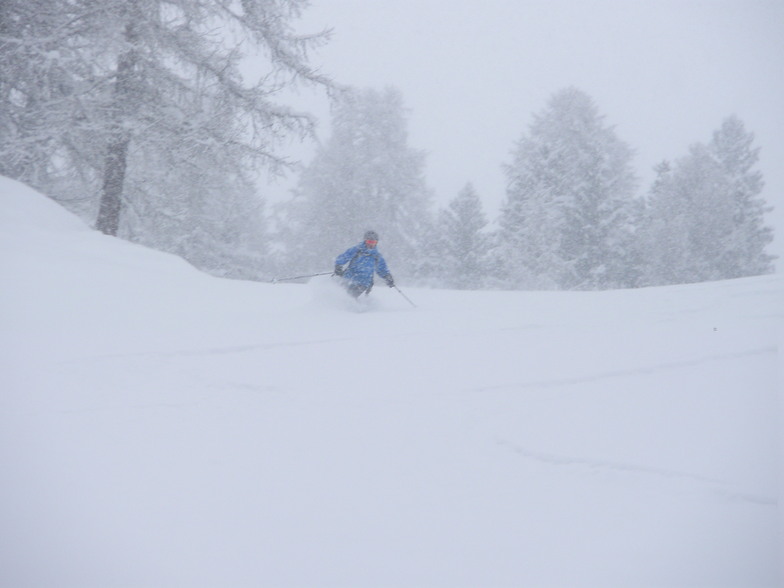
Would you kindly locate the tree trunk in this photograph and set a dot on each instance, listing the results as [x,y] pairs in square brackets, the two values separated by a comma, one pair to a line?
[116,160]
[113,181]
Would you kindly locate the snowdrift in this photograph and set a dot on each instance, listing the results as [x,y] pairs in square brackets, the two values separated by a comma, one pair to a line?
[160,427]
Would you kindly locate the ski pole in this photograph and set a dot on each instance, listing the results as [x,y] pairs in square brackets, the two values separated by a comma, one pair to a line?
[276,280]
[404,296]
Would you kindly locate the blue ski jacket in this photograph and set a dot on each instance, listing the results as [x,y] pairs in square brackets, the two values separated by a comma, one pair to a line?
[362,262]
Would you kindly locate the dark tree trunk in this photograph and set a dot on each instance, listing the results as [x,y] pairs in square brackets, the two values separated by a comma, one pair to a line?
[113,181]
[116,160]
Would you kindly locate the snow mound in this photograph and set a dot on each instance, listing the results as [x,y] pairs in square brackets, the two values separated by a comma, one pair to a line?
[24,209]
[160,427]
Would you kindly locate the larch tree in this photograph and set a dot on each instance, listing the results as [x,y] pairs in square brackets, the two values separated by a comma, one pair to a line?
[136,112]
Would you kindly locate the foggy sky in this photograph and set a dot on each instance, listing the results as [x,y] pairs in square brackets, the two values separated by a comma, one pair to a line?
[664,73]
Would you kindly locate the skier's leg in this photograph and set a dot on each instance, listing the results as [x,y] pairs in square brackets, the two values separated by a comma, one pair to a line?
[355,289]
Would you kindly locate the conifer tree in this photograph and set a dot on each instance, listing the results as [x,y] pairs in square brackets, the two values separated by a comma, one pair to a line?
[705,217]
[365,176]
[461,244]
[568,213]
[663,237]
[744,252]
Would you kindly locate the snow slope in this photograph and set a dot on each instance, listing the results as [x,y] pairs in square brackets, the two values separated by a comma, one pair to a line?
[163,428]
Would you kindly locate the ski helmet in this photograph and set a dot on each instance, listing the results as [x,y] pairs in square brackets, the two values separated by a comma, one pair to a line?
[371,236]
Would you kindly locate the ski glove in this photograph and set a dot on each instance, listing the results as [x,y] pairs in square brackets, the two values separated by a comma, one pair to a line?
[390,281]
[339,270]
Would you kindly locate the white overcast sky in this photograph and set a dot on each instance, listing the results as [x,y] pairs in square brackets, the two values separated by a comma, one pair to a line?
[472,73]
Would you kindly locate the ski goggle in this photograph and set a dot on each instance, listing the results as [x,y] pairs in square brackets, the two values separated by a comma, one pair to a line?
[371,242]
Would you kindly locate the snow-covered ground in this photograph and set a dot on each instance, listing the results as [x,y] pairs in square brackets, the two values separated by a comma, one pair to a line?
[163,428]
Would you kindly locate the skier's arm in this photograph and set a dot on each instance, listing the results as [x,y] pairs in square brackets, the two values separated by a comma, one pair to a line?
[383,271]
[345,257]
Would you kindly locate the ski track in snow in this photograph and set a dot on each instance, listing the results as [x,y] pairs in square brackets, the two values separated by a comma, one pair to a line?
[235,349]
[713,486]
[639,371]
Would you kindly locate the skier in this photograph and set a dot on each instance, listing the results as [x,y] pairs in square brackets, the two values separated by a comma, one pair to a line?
[357,264]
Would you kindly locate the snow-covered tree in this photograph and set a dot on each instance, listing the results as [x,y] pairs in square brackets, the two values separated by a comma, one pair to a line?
[705,218]
[44,85]
[663,237]
[568,215]
[365,176]
[744,252]
[461,243]
[135,112]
